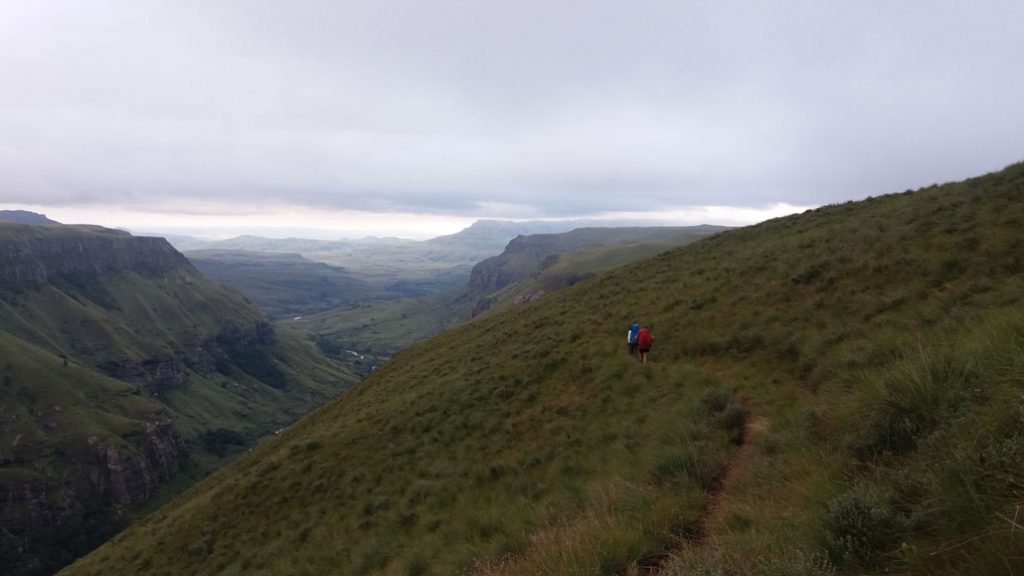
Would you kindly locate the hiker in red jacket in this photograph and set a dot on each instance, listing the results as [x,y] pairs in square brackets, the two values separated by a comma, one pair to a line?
[644,339]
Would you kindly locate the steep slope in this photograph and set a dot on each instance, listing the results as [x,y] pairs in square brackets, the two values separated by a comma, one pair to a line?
[124,369]
[878,346]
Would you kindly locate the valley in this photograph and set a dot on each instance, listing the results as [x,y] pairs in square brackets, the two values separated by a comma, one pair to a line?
[834,392]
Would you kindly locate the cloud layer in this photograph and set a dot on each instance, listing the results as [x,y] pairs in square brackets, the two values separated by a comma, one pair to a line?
[501,108]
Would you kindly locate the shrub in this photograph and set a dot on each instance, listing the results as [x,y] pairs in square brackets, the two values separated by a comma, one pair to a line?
[860,529]
[219,441]
[715,400]
[734,417]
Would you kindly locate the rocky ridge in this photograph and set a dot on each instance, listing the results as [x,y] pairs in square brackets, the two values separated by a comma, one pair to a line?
[34,255]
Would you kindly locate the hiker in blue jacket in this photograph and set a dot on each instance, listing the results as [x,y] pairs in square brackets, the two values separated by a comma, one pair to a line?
[634,329]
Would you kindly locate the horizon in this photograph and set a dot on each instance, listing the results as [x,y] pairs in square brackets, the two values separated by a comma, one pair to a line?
[418,227]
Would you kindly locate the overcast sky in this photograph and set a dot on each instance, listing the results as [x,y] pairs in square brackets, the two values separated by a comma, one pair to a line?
[422,115]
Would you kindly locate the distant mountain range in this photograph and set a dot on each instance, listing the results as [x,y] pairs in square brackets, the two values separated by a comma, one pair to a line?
[377,256]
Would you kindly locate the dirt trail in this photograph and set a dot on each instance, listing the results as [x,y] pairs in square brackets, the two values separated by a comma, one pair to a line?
[736,469]
[713,511]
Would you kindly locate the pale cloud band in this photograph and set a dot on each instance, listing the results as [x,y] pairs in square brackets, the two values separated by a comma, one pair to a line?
[300,221]
[453,110]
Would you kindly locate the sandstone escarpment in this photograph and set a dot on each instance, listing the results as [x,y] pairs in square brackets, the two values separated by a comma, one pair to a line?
[33,255]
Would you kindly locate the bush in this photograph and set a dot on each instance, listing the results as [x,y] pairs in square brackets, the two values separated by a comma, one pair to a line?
[734,417]
[715,400]
[218,442]
[860,529]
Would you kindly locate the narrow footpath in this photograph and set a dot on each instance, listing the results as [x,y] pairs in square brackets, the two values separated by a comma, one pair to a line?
[713,511]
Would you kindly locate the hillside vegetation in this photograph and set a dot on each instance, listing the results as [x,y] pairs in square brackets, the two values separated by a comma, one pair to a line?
[837,392]
[124,374]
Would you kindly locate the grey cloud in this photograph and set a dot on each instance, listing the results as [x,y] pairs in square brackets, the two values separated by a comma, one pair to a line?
[525,108]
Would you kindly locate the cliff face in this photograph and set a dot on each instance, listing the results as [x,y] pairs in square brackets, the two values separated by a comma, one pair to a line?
[47,523]
[38,257]
[494,273]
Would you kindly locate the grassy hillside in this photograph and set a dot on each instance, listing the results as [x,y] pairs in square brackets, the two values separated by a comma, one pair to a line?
[119,385]
[837,392]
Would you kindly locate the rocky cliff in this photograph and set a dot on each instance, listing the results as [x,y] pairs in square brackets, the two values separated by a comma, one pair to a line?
[33,255]
[494,273]
[49,521]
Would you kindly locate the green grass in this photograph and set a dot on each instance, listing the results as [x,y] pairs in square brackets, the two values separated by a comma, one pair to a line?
[64,402]
[876,346]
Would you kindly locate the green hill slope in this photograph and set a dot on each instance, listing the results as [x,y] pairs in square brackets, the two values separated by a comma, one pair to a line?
[124,374]
[834,392]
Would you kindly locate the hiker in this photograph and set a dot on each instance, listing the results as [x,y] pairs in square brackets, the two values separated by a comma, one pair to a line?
[644,339]
[634,329]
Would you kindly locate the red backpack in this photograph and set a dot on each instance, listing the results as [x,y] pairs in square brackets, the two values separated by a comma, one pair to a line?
[644,339]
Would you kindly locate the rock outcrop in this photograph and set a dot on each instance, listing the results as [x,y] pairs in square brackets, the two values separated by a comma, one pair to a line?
[259,334]
[155,375]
